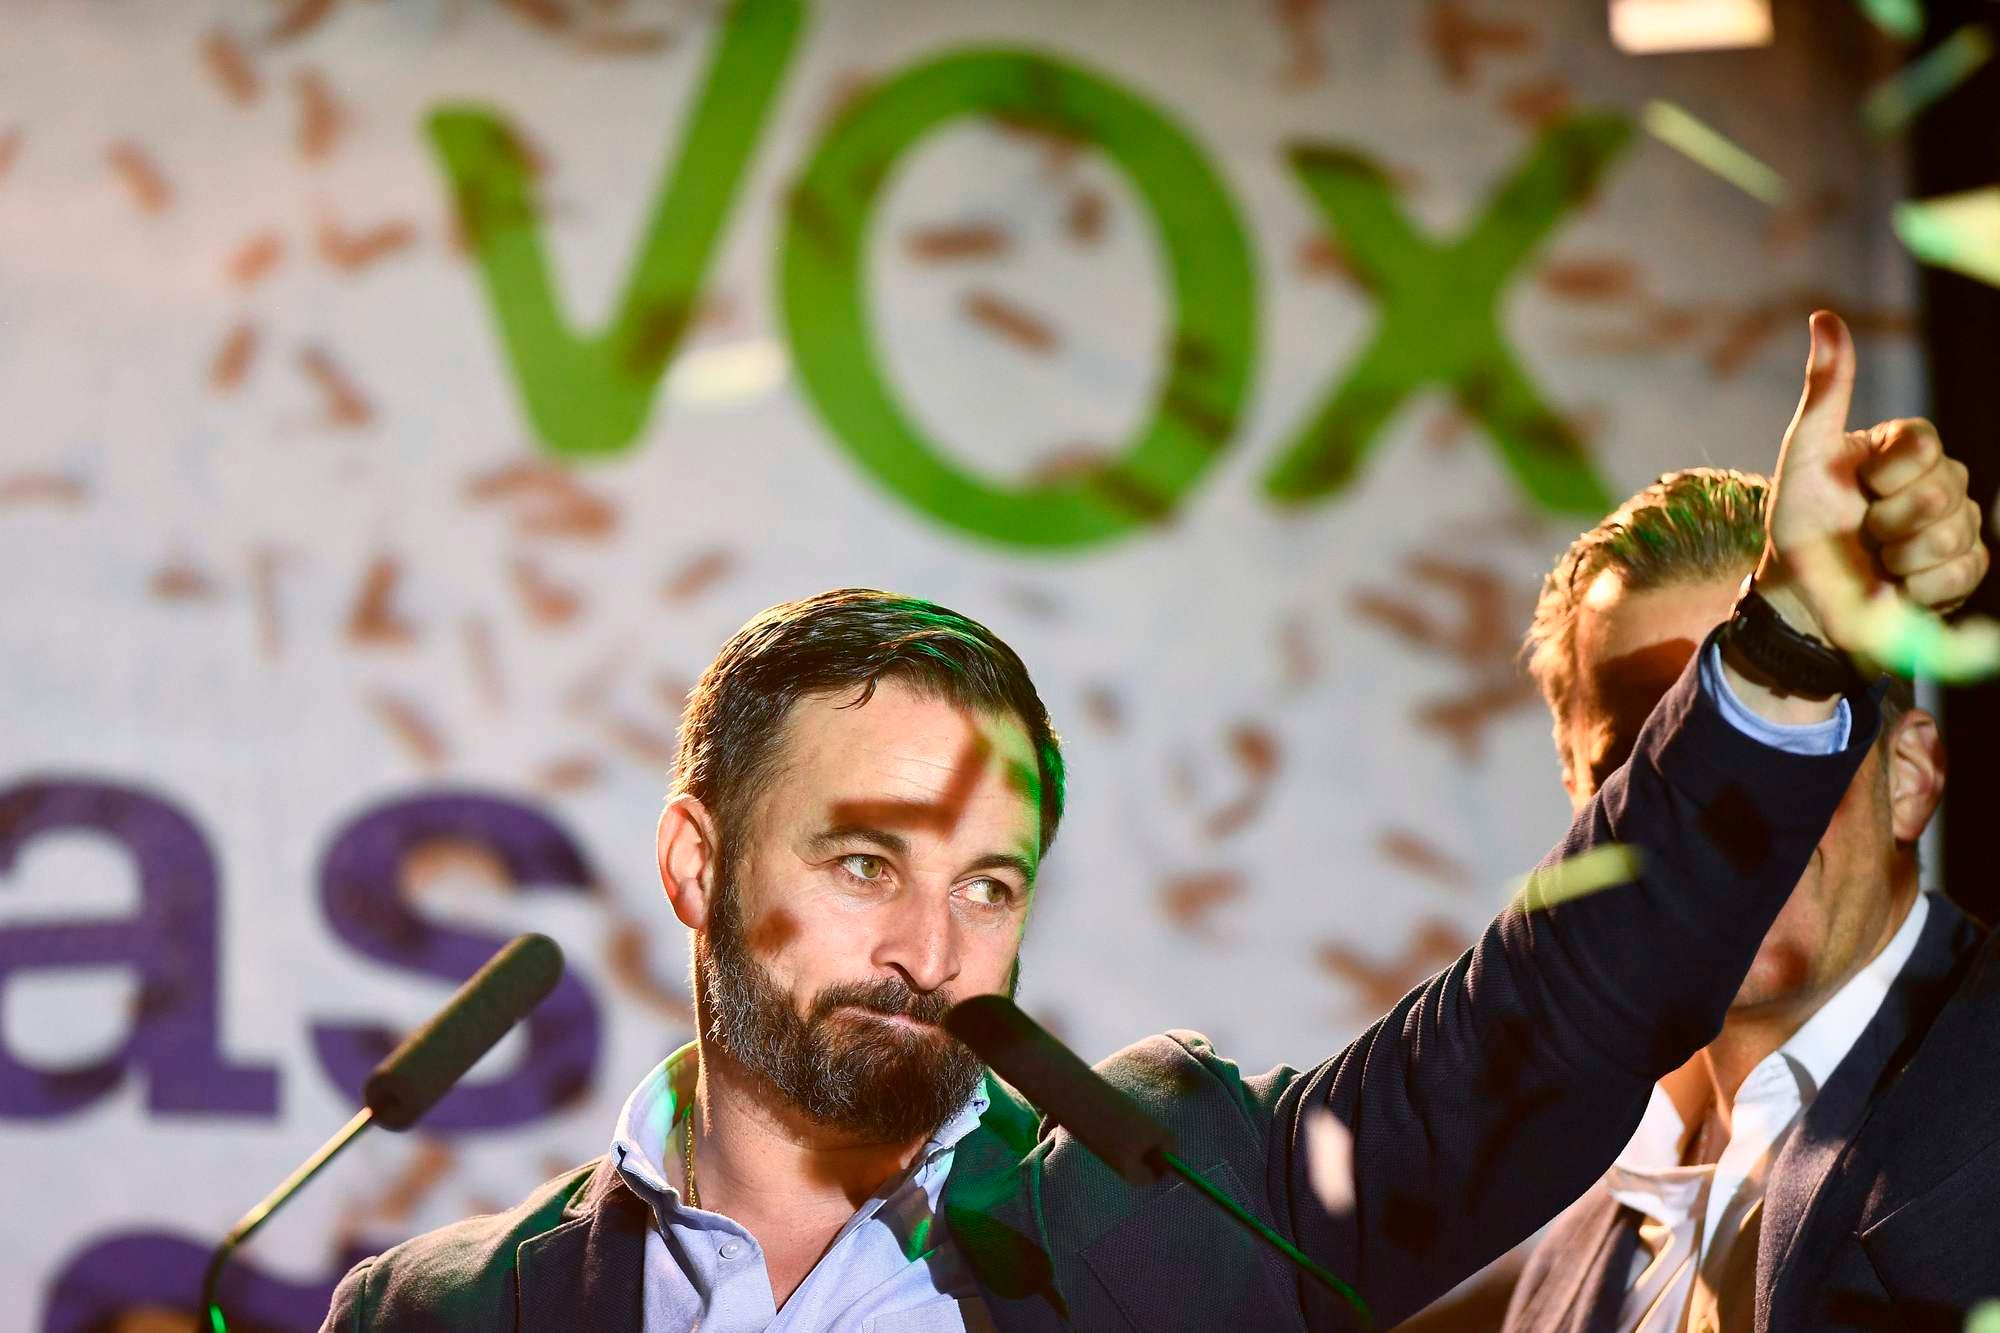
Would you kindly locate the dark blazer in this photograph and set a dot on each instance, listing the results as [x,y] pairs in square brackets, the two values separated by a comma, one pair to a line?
[1489,1098]
[1883,1209]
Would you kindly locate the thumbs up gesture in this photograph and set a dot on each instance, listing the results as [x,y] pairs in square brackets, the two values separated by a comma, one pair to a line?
[1870,535]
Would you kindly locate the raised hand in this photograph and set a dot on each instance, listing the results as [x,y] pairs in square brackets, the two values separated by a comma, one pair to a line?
[1871,534]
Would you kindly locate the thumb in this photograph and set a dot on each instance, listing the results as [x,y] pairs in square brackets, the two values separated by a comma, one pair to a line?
[1822,415]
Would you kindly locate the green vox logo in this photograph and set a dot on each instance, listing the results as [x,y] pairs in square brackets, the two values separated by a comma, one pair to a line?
[587,394]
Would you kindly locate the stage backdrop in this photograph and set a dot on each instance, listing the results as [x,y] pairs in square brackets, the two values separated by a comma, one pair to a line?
[405,400]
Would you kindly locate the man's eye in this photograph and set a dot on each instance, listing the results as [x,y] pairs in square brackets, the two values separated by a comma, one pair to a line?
[989,893]
[865,867]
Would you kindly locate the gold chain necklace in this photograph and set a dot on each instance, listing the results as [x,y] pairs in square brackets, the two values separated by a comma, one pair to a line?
[693,1194]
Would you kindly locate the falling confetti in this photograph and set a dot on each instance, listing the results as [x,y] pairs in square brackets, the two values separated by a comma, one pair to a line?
[149,188]
[1330,1160]
[1983,1318]
[1415,852]
[1591,279]
[1101,706]
[410,728]
[1009,320]
[1960,232]
[971,240]
[731,373]
[351,250]
[321,117]
[345,407]
[181,580]
[1680,130]
[1902,19]
[640,742]
[1600,868]
[1457,38]
[1321,255]
[546,601]
[1891,107]
[625,957]
[697,576]
[231,362]
[1436,942]
[593,687]
[1913,642]
[1463,718]
[1300,21]
[672,691]
[265,564]
[569,773]
[232,69]
[301,18]
[1538,103]
[374,620]
[546,501]
[430,1164]
[1188,900]
[624,41]
[477,637]
[1255,750]
[255,258]
[10,146]
[1084,219]
[41,487]
[547,15]
[1299,660]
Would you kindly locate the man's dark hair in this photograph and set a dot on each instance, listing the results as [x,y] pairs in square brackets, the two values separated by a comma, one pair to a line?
[845,642]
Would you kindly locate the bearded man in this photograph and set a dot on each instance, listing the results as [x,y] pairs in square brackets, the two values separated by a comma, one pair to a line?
[866,787]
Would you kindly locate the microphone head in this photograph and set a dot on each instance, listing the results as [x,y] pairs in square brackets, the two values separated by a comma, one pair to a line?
[414,1075]
[1069,1092]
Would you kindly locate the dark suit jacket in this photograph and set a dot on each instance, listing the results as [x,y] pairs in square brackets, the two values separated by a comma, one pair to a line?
[1883,1209]
[1489,1098]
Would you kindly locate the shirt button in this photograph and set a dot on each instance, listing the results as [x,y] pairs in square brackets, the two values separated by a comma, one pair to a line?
[730,1249]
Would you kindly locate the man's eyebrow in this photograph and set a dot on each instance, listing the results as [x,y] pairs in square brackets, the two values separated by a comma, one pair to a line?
[827,839]
[1014,861]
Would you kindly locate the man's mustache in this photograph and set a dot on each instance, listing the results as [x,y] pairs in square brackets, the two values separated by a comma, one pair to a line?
[890,996]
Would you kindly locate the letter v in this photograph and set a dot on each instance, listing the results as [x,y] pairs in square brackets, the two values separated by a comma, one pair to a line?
[1440,317]
[589,395]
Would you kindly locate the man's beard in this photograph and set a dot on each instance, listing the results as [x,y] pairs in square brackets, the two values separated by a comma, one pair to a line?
[875,1080]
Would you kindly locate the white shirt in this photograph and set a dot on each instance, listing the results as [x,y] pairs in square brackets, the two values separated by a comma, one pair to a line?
[894,1267]
[1694,1215]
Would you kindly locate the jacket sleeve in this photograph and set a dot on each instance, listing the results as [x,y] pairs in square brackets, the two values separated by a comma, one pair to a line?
[349,1311]
[1498,1091]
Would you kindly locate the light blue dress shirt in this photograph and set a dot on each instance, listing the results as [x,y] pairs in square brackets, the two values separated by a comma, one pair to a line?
[893,1268]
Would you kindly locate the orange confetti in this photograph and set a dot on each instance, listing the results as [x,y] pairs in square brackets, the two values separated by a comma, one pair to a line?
[697,576]
[321,116]
[548,501]
[1256,752]
[1299,19]
[1009,320]
[410,728]
[625,957]
[672,691]
[1060,147]
[1414,851]
[374,620]
[970,240]
[1320,255]
[1296,652]
[181,580]
[477,637]
[10,144]
[1447,427]
[641,742]
[1538,103]
[255,258]
[232,69]
[1457,38]
[264,567]
[301,18]
[1463,718]
[1189,899]
[232,359]
[544,14]
[42,487]
[624,41]
[846,88]
[345,406]
[351,250]
[1085,219]
[546,601]
[1591,279]
[149,188]
[569,773]
[1101,706]
[1436,943]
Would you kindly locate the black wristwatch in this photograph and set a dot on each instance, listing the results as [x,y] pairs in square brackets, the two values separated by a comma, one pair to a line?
[1781,657]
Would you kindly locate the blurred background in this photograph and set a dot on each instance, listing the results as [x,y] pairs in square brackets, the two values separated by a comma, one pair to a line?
[406,399]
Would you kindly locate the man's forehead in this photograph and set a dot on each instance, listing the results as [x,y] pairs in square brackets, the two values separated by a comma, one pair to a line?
[1637,641]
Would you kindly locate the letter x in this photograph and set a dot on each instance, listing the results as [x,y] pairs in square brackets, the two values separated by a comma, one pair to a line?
[1440,317]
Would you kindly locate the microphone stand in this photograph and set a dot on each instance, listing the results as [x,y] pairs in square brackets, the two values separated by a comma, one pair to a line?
[246,1226]
[1256,1228]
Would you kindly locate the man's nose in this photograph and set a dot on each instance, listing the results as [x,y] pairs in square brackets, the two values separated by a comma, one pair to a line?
[922,942]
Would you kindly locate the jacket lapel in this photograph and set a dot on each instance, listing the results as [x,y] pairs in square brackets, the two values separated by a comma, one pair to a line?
[1792,1202]
[588,1272]
[1582,1265]
[991,1208]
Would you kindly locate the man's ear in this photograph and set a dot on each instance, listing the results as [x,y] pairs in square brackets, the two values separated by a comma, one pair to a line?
[690,859]
[1916,773]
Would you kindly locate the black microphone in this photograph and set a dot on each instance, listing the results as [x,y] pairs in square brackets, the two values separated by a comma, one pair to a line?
[420,1071]
[415,1074]
[1108,1121]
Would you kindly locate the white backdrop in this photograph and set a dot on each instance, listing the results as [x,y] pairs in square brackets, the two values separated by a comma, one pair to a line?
[273,579]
